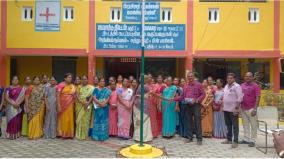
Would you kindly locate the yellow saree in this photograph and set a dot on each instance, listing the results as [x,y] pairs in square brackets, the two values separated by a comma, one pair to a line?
[65,126]
[83,114]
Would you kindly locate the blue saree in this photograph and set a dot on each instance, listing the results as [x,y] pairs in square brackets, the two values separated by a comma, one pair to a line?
[169,113]
[101,123]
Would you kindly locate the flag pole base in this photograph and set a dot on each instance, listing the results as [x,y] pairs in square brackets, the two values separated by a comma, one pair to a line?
[137,151]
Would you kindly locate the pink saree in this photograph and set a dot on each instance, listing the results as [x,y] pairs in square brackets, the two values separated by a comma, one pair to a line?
[153,111]
[14,115]
[113,114]
[124,109]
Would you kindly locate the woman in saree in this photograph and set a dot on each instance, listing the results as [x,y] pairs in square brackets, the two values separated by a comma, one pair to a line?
[25,128]
[159,87]
[101,96]
[134,85]
[220,130]
[35,102]
[211,83]
[124,108]
[113,110]
[2,95]
[147,131]
[182,122]
[51,110]
[83,109]
[15,95]
[206,110]
[96,84]
[77,83]
[119,81]
[65,104]
[153,107]
[169,109]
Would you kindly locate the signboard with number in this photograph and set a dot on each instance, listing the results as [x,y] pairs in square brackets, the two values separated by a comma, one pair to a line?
[128,36]
[47,16]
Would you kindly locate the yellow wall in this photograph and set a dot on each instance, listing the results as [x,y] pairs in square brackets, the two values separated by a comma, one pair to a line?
[82,66]
[233,32]
[71,35]
[179,11]
[31,66]
[282,26]
[100,66]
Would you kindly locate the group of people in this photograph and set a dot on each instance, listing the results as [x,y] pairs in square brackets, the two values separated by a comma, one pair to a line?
[41,107]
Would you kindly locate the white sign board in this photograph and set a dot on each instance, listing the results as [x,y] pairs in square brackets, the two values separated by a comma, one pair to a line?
[47,16]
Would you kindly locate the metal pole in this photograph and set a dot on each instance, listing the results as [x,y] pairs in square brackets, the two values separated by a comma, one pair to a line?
[142,71]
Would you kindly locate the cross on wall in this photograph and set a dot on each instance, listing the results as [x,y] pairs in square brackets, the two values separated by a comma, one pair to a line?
[47,14]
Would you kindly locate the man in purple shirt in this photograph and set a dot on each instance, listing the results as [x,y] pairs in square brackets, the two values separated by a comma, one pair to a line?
[249,105]
[192,95]
[231,101]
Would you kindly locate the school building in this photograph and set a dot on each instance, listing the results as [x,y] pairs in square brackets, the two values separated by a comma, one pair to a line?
[102,37]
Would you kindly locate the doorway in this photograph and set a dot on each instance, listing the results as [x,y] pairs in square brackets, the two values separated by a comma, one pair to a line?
[121,66]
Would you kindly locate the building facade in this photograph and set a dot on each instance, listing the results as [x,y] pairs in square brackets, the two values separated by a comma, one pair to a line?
[103,38]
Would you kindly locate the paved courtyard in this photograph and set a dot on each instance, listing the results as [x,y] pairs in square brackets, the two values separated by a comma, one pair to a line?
[174,147]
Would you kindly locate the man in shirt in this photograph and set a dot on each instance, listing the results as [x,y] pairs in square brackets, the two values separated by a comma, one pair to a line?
[249,105]
[232,99]
[192,95]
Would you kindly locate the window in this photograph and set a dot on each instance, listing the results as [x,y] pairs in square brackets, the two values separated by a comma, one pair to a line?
[115,15]
[213,15]
[253,15]
[68,14]
[166,14]
[27,14]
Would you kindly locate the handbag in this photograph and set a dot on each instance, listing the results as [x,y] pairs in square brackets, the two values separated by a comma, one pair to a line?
[216,106]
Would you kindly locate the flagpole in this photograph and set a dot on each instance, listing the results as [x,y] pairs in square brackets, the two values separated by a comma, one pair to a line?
[142,70]
[141,150]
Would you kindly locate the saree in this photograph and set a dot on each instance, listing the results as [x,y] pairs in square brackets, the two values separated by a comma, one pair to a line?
[50,121]
[101,123]
[113,115]
[36,111]
[124,109]
[159,89]
[65,123]
[169,113]
[207,113]
[25,128]
[147,131]
[153,111]
[83,115]
[219,129]
[14,115]
[182,131]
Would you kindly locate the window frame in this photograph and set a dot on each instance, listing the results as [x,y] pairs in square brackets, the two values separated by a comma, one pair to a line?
[167,10]
[71,9]
[116,17]
[251,18]
[24,9]
[212,20]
